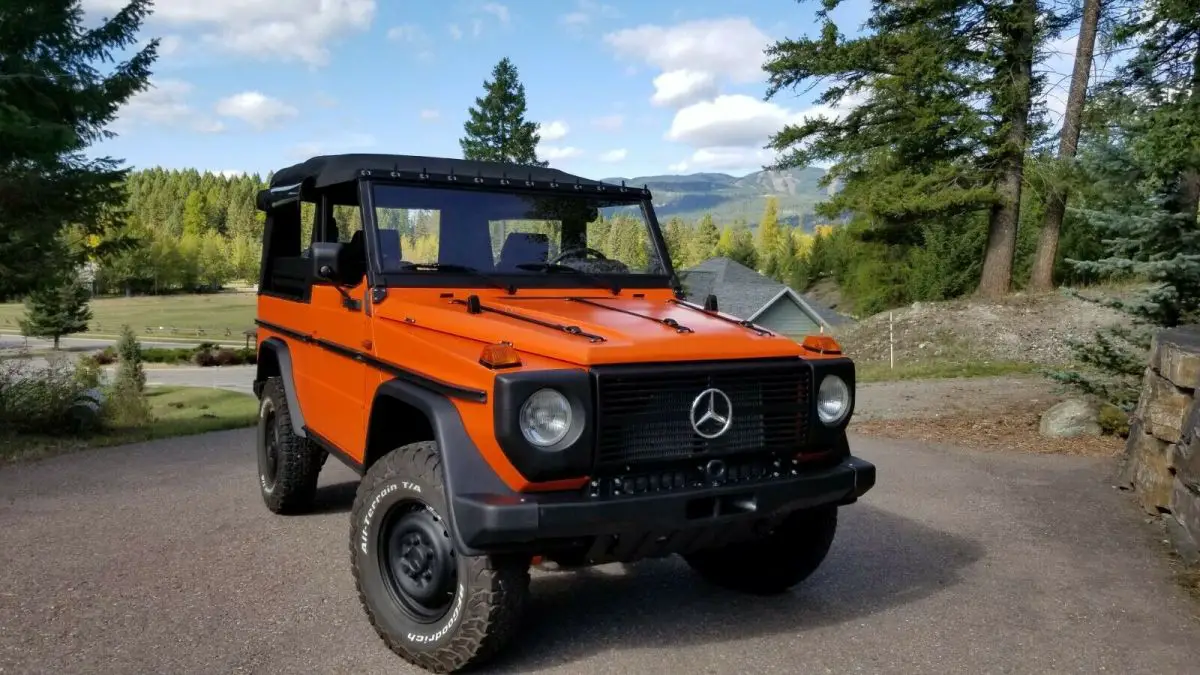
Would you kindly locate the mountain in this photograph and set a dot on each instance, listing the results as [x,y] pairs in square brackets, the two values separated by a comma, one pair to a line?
[729,198]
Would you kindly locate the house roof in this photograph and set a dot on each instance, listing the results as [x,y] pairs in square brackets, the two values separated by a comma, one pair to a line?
[745,293]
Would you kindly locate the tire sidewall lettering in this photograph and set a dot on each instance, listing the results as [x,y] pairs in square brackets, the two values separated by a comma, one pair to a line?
[366,534]
[455,615]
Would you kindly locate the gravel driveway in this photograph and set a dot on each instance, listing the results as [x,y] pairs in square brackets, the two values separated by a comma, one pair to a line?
[160,557]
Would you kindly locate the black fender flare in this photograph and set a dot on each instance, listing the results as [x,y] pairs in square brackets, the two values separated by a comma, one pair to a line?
[283,356]
[464,470]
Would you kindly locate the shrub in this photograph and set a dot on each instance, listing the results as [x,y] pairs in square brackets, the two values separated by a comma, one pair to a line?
[127,405]
[1113,420]
[38,400]
[204,357]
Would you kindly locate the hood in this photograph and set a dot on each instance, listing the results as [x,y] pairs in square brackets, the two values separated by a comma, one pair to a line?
[610,329]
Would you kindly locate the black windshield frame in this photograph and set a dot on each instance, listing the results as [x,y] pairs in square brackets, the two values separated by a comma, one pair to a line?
[667,280]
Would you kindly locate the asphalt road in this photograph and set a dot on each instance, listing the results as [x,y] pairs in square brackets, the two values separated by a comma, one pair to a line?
[160,557]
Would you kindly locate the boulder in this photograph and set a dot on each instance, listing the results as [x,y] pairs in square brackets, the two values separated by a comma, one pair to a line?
[1072,417]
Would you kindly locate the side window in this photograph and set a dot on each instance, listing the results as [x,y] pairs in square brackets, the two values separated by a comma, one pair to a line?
[284,271]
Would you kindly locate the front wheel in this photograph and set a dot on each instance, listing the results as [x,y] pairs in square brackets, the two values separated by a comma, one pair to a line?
[786,556]
[434,608]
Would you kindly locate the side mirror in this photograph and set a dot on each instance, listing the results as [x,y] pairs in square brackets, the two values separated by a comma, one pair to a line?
[326,257]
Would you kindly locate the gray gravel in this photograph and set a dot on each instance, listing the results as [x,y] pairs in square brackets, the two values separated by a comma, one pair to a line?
[160,557]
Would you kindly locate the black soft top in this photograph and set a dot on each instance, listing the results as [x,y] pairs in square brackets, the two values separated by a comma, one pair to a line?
[326,170]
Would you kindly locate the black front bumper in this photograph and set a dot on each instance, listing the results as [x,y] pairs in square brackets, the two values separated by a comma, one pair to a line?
[513,522]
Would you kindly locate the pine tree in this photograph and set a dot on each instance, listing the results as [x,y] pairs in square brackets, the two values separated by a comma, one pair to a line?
[940,121]
[1042,275]
[1143,157]
[497,130]
[53,311]
[769,231]
[57,103]
[707,241]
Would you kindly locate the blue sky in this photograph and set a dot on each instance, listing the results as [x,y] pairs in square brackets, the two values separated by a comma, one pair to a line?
[621,88]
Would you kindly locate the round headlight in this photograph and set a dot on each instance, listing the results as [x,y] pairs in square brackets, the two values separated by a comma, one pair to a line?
[545,417]
[833,400]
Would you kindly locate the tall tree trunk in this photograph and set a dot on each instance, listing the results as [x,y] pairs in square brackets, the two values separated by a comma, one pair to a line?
[1189,182]
[996,277]
[1042,276]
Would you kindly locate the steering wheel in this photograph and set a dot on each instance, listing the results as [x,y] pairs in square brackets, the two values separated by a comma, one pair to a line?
[569,253]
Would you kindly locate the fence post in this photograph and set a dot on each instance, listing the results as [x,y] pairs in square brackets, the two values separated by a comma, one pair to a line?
[891,344]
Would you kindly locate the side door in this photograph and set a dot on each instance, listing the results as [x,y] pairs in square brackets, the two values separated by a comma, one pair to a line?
[340,330]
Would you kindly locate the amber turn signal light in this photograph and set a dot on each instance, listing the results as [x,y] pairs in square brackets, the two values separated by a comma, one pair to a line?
[500,355]
[821,344]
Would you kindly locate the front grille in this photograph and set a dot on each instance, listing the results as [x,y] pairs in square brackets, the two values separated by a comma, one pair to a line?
[644,412]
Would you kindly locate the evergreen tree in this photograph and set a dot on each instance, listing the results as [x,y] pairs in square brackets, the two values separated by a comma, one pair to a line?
[1144,159]
[497,130]
[707,240]
[676,234]
[941,93]
[53,311]
[1042,274]
[55,104]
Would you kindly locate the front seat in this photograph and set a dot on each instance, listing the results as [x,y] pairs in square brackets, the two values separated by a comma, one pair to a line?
[523,247]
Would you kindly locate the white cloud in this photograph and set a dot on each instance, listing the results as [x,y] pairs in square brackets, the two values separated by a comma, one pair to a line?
[430,114]
[682,87]
[726,159]
[554,152]
[333,144]
[614,155]
[408,32]
[169,45]
[609,122]
[455,31]
[730,47]
[553,131]
[738,120]
[164,103]
[476,27]
[587,10]
[296,30]
[678,167]
[231,173]
[497,10]
[255,108]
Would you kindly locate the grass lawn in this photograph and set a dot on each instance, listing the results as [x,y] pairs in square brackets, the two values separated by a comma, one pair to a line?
[178,411]
[214,312]
[880,372]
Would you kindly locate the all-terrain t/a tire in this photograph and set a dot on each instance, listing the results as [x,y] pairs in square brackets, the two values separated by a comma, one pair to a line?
[434,608]
[288,464]
[774,563]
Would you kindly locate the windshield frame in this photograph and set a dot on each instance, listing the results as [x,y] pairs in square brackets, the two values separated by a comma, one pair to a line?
[667,280]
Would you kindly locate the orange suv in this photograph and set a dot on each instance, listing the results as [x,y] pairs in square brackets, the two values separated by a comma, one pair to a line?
[504,355]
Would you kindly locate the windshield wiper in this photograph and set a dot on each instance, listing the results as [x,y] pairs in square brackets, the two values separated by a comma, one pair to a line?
[558,267]
[464,269]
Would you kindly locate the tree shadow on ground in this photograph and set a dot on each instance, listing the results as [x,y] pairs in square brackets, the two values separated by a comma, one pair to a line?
[879,560]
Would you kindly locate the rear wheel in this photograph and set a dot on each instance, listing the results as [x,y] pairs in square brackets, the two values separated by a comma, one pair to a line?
[786,556]
[288,464]
[434,608]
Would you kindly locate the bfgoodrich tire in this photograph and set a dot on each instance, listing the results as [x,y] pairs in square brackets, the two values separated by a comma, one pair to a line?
[288,465]
[434,608]
[774,563]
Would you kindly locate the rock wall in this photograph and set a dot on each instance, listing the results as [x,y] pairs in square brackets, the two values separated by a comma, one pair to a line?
[1162,456]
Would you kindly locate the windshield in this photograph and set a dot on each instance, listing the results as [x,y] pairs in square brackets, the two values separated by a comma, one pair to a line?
[494,232]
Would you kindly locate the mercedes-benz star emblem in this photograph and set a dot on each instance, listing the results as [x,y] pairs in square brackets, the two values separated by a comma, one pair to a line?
[712,413]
